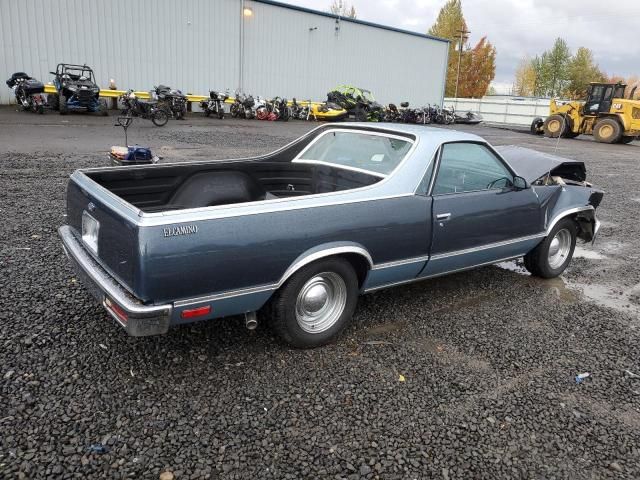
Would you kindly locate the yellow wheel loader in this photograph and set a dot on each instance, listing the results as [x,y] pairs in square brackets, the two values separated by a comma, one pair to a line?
[605,114]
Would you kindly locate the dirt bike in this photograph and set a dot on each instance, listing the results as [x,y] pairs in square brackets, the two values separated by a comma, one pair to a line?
[134,107]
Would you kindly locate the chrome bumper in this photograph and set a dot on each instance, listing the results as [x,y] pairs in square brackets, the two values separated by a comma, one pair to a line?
[135,317]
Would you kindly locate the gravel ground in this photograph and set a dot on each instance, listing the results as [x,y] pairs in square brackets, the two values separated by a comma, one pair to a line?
[467,376]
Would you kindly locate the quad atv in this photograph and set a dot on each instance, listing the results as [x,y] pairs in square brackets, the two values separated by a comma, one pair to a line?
[359,102]
[76,90]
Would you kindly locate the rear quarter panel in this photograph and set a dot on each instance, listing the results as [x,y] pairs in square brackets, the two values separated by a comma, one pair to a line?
[251,250]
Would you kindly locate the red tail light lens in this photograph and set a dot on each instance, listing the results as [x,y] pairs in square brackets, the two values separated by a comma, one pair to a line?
[117,310]
[196,312]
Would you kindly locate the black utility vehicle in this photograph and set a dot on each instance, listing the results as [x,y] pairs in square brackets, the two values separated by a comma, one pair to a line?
[76,90]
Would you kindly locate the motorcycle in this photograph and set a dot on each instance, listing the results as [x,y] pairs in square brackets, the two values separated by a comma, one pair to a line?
[28,92]
[243,106]
[281,109]
[423,115]
[215,104]
[392,114]
[299,111]
[134,107]
[173,101]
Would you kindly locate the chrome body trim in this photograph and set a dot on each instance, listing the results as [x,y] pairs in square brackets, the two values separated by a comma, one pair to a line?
[142,319]
[417,279]
[225,295]
[329,252]
[567,212]
[487,246]
[398,263]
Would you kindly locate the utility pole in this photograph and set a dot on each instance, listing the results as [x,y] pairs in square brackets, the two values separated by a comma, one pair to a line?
[462,33]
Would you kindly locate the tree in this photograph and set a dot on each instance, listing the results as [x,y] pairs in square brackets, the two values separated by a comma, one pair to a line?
[340,7]
[477,70]
[555,63]
[525,81]
[581,70]
[448,25]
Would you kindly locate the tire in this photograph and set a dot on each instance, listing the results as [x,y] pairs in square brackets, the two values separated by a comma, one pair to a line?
[542,262]
[53,101]
[63,105]
[536,126]
[361,114]
[103,109]
[220,113]
[40,109]
[294,322]
[207,112]
[159,117]
[607,130]
[554,126]
[627,139]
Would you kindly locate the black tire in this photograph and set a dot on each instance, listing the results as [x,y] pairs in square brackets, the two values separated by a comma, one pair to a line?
[220,113]
[53,101]
[103,109]
[627,139]
[537,261]
[536,126]
[207,112]
[63,105]
[159,117]
[607,130]
[554,126]
[284,318]
[40,109]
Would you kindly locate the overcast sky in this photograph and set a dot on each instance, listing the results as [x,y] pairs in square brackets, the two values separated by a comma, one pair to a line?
[611,29]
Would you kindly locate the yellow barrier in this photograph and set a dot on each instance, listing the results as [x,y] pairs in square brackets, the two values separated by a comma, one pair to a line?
[145,95]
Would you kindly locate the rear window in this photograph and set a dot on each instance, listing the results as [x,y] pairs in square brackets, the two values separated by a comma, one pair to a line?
[376,154]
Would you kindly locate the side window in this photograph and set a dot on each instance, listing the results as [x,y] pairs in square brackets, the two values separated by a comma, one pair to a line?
[469,167]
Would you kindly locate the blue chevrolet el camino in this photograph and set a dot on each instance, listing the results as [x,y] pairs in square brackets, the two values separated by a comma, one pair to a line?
[299,233]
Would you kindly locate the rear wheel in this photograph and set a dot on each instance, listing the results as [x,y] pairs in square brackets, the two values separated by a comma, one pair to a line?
[552,256]
[220,112]
[63,105]
[159,118]
[627,139]
[607,130]
[316,303]
[53,101]
[554,126]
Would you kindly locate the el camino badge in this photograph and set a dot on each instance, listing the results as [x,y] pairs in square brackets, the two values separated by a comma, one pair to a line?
[181,230]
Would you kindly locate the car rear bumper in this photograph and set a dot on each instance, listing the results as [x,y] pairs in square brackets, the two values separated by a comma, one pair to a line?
[135,317]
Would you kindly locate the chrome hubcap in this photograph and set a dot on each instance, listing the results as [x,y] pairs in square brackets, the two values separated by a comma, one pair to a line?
[559,248]
[321,302]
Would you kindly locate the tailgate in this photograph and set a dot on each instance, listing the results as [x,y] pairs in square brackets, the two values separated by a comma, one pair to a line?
[117,236]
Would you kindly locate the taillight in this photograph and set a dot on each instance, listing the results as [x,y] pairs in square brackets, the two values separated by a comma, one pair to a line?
[116,310]
[196,312]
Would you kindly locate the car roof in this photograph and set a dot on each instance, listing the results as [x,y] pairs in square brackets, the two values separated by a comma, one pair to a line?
[425,134]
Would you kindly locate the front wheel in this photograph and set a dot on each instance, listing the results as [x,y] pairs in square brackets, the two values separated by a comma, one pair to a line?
[63,105]
[220,113]
[53,101]
[159,118]
[553,255]
[316,303]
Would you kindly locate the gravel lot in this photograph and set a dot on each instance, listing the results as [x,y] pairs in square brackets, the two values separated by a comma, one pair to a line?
[468,376]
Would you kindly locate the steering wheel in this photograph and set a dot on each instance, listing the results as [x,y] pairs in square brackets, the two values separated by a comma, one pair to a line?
[492,184]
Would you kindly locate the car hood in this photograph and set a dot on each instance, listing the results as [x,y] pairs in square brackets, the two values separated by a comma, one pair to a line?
[531,164]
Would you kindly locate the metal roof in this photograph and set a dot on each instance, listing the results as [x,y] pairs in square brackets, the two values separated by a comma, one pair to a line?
[348,19]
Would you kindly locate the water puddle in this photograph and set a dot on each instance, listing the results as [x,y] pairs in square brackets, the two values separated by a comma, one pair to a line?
[618,298]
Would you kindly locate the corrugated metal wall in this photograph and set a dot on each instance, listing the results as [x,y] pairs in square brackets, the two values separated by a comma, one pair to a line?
[194,45]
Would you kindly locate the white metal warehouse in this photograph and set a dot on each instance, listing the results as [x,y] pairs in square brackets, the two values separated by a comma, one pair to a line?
[264,47]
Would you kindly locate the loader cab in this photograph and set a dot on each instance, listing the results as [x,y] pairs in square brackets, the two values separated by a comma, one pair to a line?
[601,95]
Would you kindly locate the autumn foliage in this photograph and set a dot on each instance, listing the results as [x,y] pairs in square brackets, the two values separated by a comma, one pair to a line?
[477,65]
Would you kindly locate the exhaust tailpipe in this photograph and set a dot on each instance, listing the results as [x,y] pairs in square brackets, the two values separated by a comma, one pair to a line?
[250,320]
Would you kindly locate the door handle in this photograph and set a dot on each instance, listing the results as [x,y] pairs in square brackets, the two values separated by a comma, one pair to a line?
[443,216]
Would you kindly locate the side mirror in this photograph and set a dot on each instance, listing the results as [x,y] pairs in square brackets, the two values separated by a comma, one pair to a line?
[519,183]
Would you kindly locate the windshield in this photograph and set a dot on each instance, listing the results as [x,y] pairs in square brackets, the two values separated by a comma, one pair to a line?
[376,154]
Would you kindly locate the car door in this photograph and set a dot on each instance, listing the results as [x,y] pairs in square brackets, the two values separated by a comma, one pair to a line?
[478,216]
